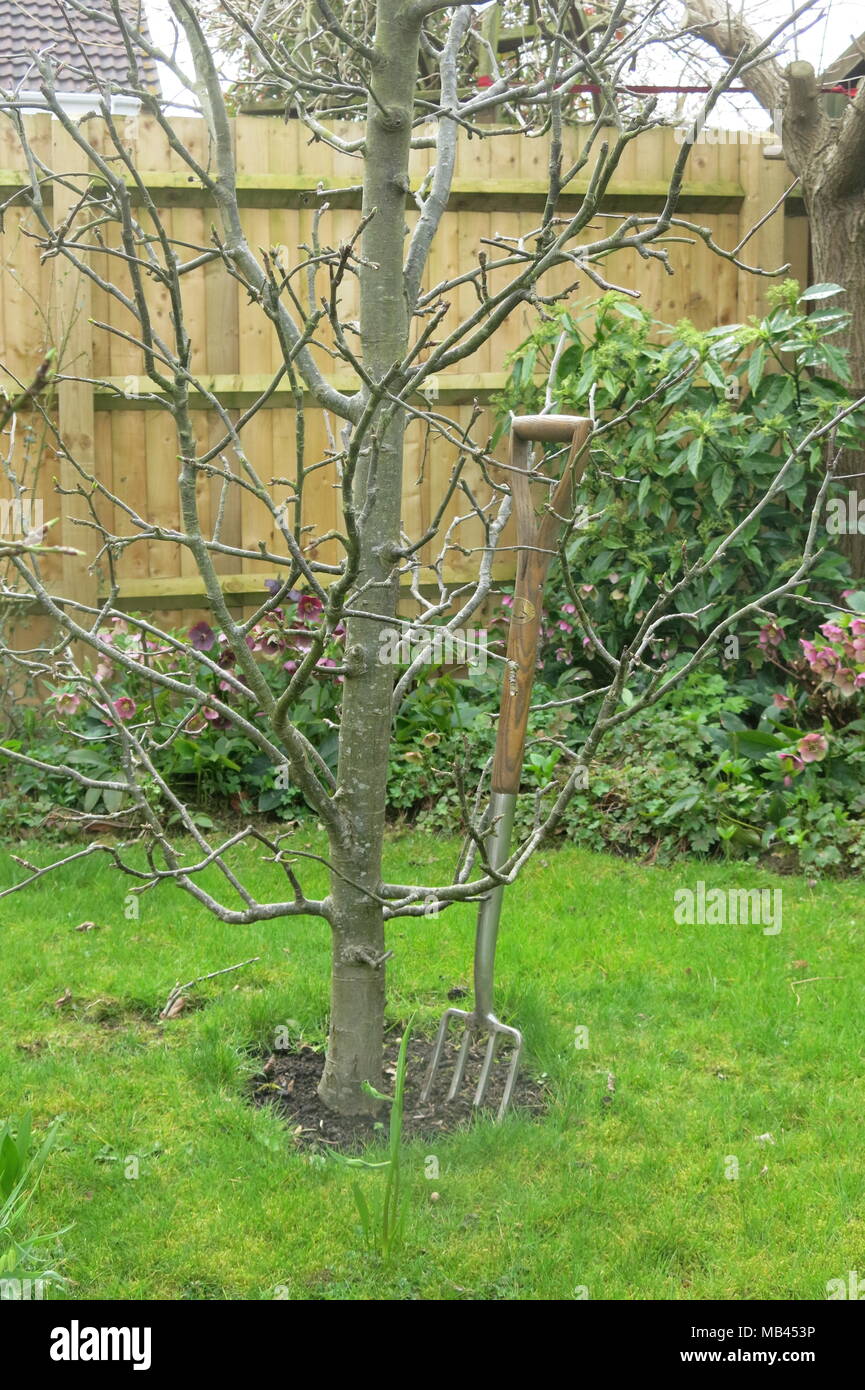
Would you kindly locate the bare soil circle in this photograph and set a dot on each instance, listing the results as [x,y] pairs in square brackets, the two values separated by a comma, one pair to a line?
[289,1081]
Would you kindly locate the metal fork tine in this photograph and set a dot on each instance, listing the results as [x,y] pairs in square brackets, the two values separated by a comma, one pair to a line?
[438,1048]
[460,1067]
[512,1076]
[487,1066]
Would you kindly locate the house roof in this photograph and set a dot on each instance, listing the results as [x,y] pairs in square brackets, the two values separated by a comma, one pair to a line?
[58,31]
[848,65]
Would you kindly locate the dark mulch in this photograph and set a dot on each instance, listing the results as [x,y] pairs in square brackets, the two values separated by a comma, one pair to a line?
[289,1080]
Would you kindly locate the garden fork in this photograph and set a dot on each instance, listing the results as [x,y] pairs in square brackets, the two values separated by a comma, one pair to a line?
[536,544]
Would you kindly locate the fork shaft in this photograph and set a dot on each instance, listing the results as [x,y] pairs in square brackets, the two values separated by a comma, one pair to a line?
[502,806]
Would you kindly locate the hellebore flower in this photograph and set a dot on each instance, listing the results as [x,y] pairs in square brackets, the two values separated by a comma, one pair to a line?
[844,680]
[201,637]
[124,707]
[813,748]
[309,608]
[791,762]
[770,636]
[67,702]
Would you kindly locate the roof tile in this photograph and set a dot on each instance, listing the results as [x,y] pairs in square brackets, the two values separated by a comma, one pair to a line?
[59,31]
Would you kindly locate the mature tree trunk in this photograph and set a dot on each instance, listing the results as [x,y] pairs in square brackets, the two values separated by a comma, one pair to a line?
[838,253]
[829,158]
[357,1000]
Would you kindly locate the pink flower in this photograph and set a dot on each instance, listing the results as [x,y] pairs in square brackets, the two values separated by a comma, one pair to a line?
[770,636]
[857,627]
[813,748]
[124,707]
[67,702]
[782,701]
[791,762]
[104,670]
[309,608]
[825,661]
[568,608]
[844,680]
[564,656]
[832,631]
[211,714]
[564,627]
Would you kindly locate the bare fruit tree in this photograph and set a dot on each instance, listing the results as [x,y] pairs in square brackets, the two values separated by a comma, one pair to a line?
[359,65]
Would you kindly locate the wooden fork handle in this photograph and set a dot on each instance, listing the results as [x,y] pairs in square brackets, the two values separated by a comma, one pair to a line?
[535,542]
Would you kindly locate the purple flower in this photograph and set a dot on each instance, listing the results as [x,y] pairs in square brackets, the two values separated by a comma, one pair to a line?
[309,608]
[202,637]
[124,707]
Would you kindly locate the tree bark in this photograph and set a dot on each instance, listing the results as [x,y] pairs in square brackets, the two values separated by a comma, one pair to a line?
[829,159]
[358,990]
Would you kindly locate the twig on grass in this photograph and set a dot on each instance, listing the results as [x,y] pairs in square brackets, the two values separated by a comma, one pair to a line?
[178,990]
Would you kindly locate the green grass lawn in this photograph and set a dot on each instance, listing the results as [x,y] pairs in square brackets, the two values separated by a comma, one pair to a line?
[698,1048]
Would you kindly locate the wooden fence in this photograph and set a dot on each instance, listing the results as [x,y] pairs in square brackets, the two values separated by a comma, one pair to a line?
[499,189]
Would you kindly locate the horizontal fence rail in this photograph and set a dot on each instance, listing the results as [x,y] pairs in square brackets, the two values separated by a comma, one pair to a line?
[111,412]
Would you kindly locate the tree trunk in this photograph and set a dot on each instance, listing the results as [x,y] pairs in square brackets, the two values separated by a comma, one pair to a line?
[838,253]
[358,991]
